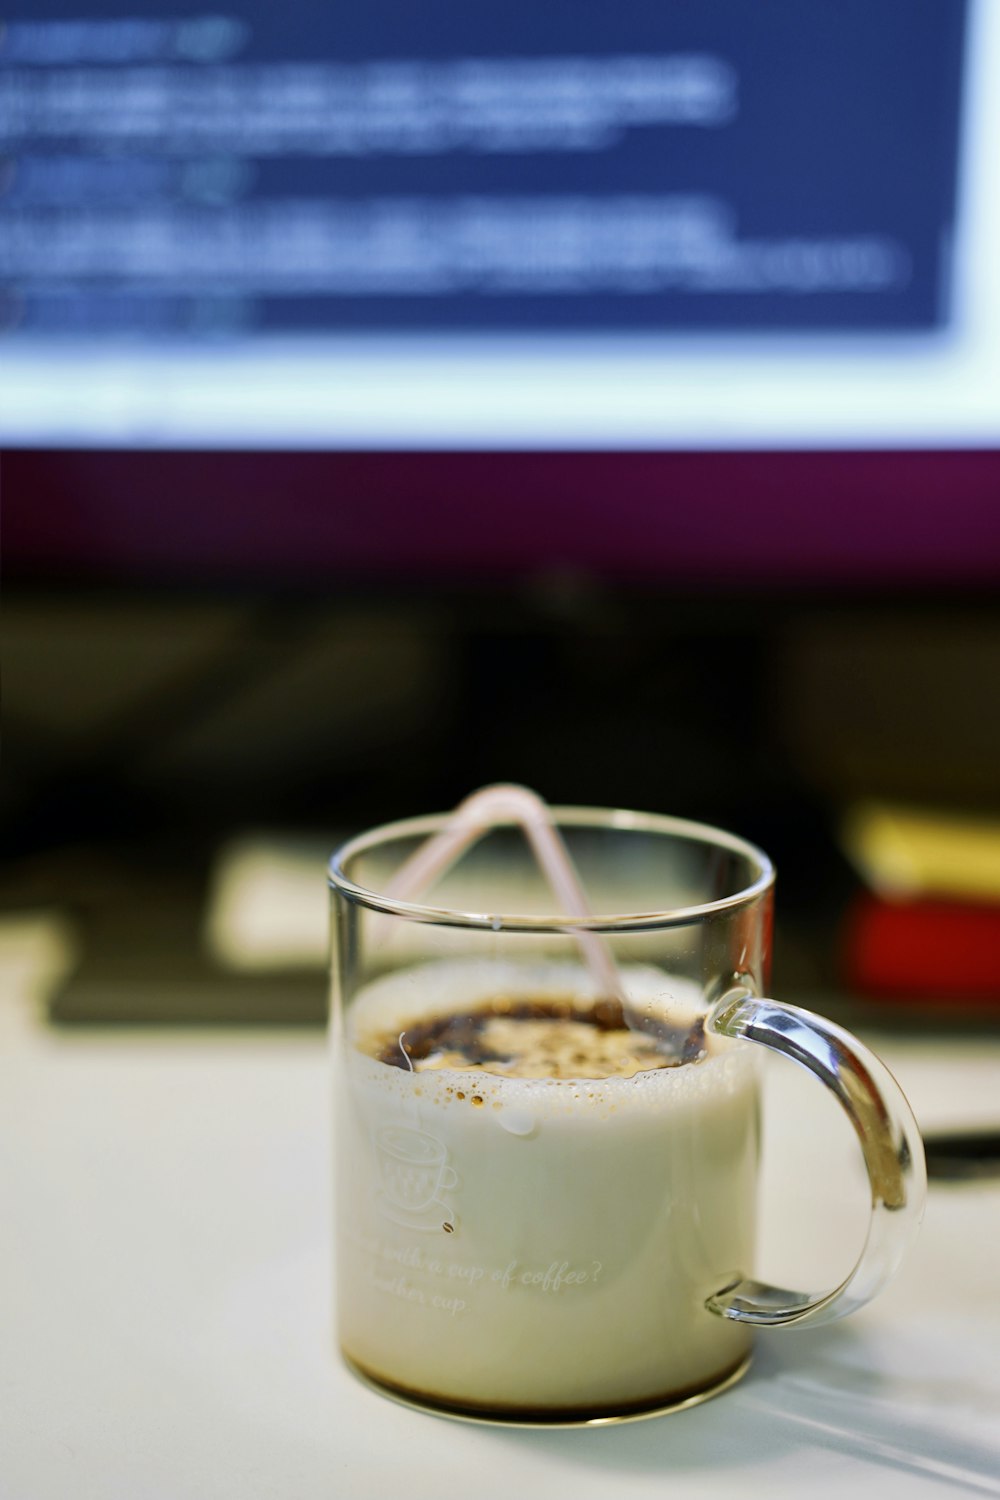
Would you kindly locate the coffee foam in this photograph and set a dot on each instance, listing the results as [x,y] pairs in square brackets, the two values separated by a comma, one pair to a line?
[538,1045]
[636,1068]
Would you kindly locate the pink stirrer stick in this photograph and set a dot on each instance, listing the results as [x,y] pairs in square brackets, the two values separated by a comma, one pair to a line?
[470,820]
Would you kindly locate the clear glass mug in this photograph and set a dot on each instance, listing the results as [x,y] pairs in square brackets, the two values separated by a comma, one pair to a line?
[574,1246]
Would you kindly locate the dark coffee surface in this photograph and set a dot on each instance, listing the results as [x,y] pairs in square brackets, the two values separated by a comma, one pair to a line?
[552,1037]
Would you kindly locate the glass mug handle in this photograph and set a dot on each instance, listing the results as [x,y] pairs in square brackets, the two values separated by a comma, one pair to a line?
[890,1142]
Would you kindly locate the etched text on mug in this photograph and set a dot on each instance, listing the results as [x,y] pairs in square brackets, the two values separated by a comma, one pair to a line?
[557,1276]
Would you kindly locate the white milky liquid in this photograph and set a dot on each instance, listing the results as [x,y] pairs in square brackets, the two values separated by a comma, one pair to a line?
[536,1247]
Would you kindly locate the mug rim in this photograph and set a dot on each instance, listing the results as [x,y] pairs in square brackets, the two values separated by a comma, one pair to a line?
[598,818]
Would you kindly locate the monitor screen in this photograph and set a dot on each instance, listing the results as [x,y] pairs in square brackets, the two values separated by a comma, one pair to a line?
[648,226]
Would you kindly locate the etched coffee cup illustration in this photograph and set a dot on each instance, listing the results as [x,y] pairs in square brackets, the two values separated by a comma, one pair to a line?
[414,1170]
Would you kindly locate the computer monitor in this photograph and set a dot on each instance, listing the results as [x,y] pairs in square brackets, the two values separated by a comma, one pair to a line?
[389,227]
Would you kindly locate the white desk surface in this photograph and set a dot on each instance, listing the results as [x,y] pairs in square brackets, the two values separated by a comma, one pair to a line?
[165,1292]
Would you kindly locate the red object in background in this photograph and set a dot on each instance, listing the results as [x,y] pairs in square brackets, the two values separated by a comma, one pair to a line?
[924,949]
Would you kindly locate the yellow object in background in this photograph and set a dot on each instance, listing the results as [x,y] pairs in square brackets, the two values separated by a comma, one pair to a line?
[906,852]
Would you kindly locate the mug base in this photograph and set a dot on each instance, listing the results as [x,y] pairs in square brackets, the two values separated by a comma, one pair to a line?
[552,1417]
